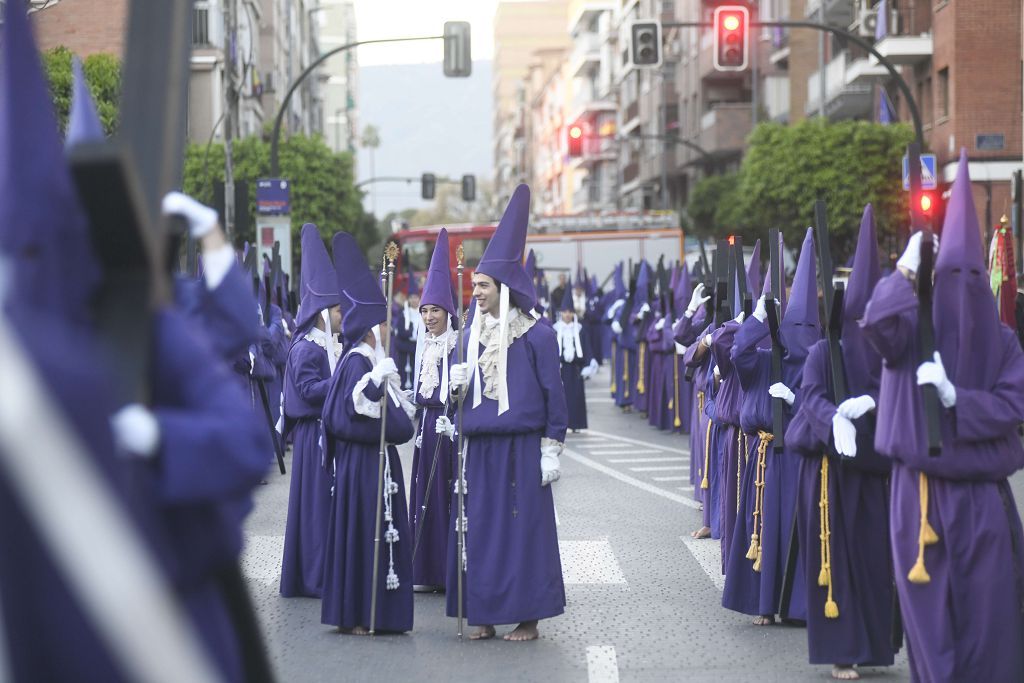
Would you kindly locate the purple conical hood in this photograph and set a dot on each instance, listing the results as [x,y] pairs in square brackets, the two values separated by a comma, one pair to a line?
[800,327]
[966,320]
[503,257]
[683,289]
[754,270]
[643,283]
[866,271]
[531,266]
[360,288]
[581,281]
[619,291]
[437,290]
[83,120]
[318,285]
[593,286]
[862,362]
[42,225]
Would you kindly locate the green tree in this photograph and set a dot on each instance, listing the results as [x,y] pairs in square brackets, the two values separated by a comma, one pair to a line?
[710,203]
[322,183]
[102,73]
[848,164]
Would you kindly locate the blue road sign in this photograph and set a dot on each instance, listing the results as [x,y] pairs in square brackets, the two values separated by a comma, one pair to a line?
[928,179]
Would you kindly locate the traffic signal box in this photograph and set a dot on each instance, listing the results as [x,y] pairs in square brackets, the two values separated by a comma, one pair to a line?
[730,31]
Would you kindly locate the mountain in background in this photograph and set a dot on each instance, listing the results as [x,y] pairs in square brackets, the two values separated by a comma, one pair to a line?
[427,123]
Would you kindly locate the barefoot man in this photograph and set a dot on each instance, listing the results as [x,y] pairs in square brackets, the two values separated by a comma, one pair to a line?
[514,424]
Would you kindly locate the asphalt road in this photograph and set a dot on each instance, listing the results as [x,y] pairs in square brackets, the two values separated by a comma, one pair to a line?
[644,600]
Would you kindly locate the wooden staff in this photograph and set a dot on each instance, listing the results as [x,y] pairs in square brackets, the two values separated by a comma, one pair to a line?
[460,525]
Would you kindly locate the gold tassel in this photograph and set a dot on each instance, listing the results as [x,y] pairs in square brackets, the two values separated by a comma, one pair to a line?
[831,608]
[614,351]
[674,403]
[757,538]
[822,506]
[707,452]
[926,536]
[739,466]
[640,370]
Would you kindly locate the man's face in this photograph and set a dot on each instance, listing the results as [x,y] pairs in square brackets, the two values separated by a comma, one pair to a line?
[414,300]
[566,316]
[335,313]
[561,279]
[485,291]
[435,318]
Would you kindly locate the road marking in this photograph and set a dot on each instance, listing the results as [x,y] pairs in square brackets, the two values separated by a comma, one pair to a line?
[638,442]
[632,481]
[671,479]
[602,665]
[602,451]
[708,554]
[666,468]
[590,562]
[595,400]
[688,489]
[668,459]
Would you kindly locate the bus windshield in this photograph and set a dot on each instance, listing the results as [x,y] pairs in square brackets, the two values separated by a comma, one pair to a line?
[418,253]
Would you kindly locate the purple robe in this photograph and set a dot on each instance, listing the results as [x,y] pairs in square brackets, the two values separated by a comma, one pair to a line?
[624,368]
[749,590]
[703,458]
[965,623]
[513,568]
[860,558]
[641,379]
[429,563]
[353,444]
[573,382]
[661,350]
[731,442]
[307,378]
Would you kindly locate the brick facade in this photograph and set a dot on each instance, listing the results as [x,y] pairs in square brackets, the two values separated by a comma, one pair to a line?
[85,27]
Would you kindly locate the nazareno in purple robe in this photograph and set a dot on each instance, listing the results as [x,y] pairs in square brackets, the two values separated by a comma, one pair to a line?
[513,568]
[572,380]
[956,535]
[307,379]
[753,584]
[660,388]
[431,508]
[685,332]
[707,432]
[353,445]
[730,443]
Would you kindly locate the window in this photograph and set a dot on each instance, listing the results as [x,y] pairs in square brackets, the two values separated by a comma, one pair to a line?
[943,95]
[200,26]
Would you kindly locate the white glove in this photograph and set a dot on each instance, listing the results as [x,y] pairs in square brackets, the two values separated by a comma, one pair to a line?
[680,349]
[761,310]
[911,258]
[549,468]
[409,395]
[444,426]
[780,390]
[643,309]
[660,325]
[740,317]
[382,370]
[697,299]
[201,218]
[136,430]
[588,372]
[616,327]
[707,341]
[933,372]
[845,436]
[853,408]
[458,375]
[717,373]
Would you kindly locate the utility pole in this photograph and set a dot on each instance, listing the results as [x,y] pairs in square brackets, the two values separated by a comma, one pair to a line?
[665,146]
[231,113]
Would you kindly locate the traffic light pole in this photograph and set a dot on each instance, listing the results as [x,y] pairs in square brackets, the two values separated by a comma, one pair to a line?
[915,113]
[274,169]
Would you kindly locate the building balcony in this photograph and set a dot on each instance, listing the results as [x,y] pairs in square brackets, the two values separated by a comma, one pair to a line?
[834,12]
[905,50]
[630,172]
[724,129]
[848,88]
[583,13]
[586,54]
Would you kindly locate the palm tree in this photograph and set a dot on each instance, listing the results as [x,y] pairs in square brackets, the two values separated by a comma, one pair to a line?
[370,140]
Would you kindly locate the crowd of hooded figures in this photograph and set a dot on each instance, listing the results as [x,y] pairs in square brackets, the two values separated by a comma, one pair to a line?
[847,520]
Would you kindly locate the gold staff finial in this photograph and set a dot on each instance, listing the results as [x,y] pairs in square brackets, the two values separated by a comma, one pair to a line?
[459,254]
[391,252]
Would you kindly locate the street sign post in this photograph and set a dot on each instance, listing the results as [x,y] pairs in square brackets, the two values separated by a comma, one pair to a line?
[928,177]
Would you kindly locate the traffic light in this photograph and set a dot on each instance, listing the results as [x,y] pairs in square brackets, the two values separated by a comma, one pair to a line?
[428,185]
[645,43]
[730,37]
[468,188]
[458,58]
[930,206]
[575,141]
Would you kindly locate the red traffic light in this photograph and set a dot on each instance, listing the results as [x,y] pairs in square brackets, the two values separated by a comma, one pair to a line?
[575,140]
[575,132]
[926,203]
[730,37]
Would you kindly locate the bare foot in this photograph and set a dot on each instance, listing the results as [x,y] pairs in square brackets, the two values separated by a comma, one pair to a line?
[703,532]
[764,620]
[354,631]
[525,631]
[845,673]
[483,633]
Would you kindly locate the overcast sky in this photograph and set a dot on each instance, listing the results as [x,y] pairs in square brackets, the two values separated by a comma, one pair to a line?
[401,18]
